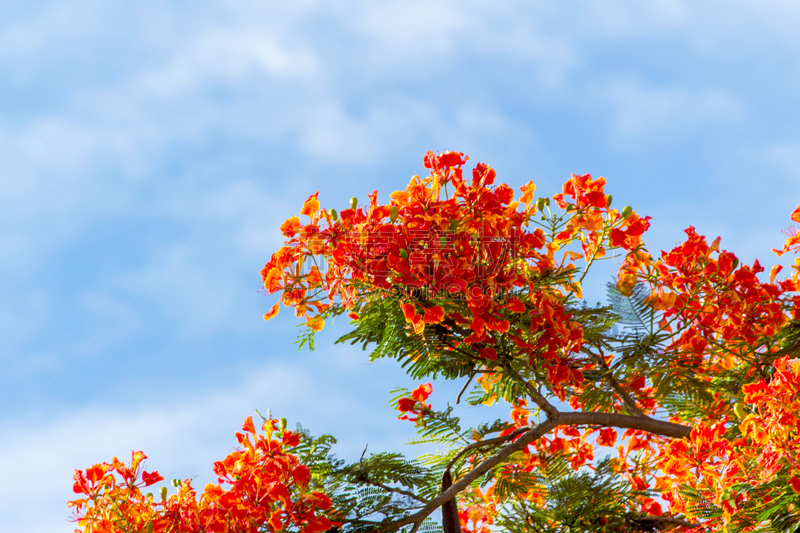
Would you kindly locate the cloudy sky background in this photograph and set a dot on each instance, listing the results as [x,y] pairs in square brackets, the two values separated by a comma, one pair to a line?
[149,150]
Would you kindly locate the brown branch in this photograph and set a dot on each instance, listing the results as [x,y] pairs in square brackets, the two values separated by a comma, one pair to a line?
[534,393]
[393,489]
[674,520]
[614,384]
[488,442]
[483,467]
[450,522]
[658,427]
[644,423]
[458,398]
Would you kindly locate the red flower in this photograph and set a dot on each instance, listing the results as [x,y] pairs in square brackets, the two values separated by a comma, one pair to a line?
[607,437]
[422,392]
[434,315]
[310,206]
[151,477]
[272,311]
[291,227]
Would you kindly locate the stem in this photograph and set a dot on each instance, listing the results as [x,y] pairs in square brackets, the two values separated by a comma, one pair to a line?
[483,443]
[398,491]
[536,396]
[676,520]
[458,398]
[614,384]
[594,255]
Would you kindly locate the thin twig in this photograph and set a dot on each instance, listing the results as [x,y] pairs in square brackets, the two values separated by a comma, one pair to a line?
[393,489]
[676,520]
[614,384]
[483,443]
[534,393]
[458,398]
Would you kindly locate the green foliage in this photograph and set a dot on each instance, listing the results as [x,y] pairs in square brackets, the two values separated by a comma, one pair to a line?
[382,325]
[577,502]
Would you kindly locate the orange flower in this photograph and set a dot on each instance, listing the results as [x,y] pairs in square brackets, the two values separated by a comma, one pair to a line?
[434,315]
[311,205]
[272,311]
[291,227]
[527,193]
[607,437]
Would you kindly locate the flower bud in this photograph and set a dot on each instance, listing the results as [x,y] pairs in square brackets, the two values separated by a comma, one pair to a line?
[403,253]
[608,200]
[442,241]
[735,264]
[540,203]
[393,213]
[163,494]
[453,224]
[283,423]
[353,203]
[334,215]
[739,411]
[149,527]
[176,483]
[626,212]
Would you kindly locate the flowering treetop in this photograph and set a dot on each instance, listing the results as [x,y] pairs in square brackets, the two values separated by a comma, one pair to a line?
[465,277]
[674,407]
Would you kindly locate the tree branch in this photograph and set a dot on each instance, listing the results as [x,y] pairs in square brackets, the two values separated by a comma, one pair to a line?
[484,443]
[483,467]
[614,384]
[675,520]
[555,418]
[534,393]
[644,423]
[393,489]
[458,398]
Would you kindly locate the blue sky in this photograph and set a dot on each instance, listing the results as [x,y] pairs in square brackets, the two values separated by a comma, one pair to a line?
[149,150]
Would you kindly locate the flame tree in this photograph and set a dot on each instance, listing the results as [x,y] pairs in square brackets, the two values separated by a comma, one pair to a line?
[672,408]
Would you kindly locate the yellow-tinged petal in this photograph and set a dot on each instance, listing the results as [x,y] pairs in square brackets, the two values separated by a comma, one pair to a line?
[315,322]
[291,227]
[774,272]
[272,311]
[527,192]
[311,205]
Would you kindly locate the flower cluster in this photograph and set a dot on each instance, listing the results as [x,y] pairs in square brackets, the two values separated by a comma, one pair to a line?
[262,487]
[464,242]
[415,403]
[469,260]
[741,472]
